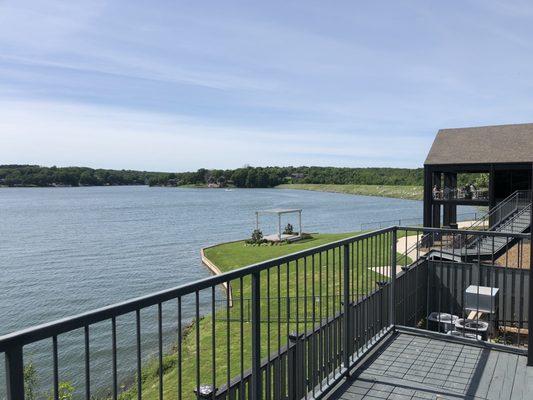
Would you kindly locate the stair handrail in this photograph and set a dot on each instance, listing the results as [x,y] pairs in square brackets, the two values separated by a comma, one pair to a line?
[519,213]
[481,220]
[476,239]
[494,249]
[512,197]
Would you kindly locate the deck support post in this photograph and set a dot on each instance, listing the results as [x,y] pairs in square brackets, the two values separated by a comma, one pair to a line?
[427,196]
[436,181]
[450,209]
[492,192]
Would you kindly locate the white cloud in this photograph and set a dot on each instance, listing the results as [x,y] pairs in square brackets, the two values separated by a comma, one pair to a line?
[179,85]
[67,134]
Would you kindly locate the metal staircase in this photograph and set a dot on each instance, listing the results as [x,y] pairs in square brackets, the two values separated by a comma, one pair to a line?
[503,211]
[512,215]
[519,222]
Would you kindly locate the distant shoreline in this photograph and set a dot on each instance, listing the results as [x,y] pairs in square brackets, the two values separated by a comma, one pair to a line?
[390,191]
[64,186]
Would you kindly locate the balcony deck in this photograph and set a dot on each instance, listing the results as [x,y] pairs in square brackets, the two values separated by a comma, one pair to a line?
[409,366]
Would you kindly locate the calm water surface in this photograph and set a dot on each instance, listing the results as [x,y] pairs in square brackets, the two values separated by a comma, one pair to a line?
[69,250]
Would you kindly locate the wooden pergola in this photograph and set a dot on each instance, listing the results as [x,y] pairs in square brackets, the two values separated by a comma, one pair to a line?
[279,212]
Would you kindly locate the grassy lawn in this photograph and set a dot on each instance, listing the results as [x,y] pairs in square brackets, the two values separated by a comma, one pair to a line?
[400,192]
[229,256]
[290,286]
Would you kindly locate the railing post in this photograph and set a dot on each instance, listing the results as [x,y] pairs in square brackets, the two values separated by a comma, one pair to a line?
[14,373]
[256,336]
[346,316]
[296,362]
[392,306]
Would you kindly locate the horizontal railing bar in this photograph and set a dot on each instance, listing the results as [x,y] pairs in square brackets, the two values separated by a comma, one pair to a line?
[392,222]
[47,330]
[466,232]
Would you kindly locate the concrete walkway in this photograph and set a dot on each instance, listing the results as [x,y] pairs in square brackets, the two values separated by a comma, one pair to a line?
[408,242]
[400,248]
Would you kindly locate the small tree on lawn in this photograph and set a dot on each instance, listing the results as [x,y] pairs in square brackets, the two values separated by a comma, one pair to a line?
[257,236]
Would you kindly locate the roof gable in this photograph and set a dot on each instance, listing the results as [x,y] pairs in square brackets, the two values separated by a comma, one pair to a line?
[483,145]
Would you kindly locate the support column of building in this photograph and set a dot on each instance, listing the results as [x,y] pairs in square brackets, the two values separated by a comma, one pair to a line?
[492,192]
[450,209]
[530,310]
[436,181]
[428,197]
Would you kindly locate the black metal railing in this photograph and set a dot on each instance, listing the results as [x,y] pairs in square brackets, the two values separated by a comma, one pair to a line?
[484,290]
[460,194]
[295,325]
[517,202]
[245,349]
[414,221]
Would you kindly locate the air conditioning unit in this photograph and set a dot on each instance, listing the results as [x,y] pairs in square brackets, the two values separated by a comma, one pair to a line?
[481,298]
[441,322]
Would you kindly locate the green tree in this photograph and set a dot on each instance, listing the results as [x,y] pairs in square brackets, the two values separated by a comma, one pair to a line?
[239,177]
[66,391]
[30,381]
[251,178]
[87,178]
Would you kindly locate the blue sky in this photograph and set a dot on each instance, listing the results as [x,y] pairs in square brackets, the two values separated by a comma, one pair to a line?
[179,85]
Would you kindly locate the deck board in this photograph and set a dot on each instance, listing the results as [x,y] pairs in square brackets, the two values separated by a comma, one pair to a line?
[519,385]
[418,367]
[485,374]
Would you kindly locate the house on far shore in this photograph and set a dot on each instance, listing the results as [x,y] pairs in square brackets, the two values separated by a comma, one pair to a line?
[216,183]
[297,175]
[504,152]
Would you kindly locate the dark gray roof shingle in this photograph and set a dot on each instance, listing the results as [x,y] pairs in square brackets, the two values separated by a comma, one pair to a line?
[483,145]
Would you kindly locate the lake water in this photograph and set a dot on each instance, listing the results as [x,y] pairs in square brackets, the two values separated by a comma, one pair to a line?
[68,250]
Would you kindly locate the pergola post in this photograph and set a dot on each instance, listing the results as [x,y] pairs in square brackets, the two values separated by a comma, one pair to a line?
[279,226]
[300,223]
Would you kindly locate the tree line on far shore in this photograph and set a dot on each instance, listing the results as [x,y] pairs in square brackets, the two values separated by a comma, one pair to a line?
[245,177]
[264,177]
[34,175]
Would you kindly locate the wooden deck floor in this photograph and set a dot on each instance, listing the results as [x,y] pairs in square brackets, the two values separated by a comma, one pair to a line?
[417,367]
